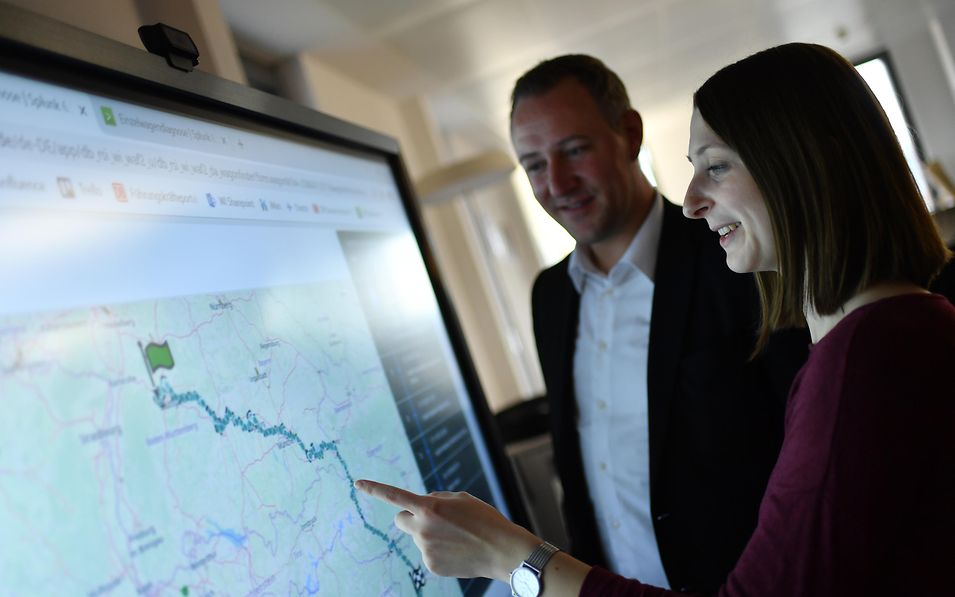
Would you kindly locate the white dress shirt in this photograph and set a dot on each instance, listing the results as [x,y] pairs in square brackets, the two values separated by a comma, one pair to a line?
[610,382]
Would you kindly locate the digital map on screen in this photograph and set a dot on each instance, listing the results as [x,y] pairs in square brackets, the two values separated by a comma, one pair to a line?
[216,437]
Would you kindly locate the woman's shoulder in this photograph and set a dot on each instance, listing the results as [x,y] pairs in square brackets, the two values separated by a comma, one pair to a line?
[895,337]
[893,322]
[918,317]
[905,341]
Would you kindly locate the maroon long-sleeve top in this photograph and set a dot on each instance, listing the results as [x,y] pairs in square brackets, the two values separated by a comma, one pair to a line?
[862,498]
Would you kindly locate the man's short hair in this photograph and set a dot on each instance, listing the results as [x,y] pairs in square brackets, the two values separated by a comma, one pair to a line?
[603,85]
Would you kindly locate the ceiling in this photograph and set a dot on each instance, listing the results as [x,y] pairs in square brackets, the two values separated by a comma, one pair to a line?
[462,56]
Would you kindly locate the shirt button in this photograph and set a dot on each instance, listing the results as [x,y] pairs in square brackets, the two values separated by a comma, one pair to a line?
[615,524]
[601,405]
[603,466]
[608,293]
[602,346]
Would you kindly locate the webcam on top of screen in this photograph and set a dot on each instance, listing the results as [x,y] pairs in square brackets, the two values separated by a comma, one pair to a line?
[175,45]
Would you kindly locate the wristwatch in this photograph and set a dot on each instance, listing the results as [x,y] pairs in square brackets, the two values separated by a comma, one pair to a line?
[526,579]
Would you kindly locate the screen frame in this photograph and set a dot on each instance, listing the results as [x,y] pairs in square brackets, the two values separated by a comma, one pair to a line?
[51,50]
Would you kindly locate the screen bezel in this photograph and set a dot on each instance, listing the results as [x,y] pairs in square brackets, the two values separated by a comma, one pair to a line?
[45,49]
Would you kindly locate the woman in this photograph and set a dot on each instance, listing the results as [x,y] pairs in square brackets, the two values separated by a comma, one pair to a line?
[798,171]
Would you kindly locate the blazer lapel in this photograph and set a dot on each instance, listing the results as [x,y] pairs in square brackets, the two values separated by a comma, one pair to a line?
[565,343]
[673,289]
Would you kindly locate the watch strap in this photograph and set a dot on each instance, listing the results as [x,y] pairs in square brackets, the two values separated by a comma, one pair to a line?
[540,556]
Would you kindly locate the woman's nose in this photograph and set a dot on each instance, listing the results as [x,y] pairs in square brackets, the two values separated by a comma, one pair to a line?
[695,205]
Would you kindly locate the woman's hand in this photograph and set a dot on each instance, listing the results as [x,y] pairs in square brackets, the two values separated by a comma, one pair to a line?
[458,534]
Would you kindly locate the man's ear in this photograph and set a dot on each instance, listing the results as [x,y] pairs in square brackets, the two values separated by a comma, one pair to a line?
[633,129]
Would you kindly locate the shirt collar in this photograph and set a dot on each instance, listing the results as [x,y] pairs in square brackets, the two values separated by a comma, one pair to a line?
[640,254]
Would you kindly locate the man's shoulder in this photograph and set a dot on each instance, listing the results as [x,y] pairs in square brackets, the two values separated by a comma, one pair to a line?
[555,276]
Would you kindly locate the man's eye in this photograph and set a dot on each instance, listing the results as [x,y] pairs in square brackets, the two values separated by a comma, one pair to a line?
[534,167]
[576,150]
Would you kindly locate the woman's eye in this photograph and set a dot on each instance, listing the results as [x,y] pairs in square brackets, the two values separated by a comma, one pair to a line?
[717,169]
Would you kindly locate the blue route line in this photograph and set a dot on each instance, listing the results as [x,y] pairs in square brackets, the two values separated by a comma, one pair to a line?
[165,397]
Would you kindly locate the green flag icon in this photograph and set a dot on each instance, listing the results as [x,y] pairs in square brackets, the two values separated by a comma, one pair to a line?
[158,356]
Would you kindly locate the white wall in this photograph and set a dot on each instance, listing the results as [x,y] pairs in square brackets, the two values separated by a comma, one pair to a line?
[900,26]
[919,65]
[116,19]
[120,20]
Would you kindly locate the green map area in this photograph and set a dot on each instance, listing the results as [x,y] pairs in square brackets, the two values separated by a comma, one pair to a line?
[203,445]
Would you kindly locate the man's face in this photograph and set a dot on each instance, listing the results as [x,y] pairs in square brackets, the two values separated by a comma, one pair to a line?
[582,169]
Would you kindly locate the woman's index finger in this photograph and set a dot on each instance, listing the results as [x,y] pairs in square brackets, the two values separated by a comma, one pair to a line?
[390,494]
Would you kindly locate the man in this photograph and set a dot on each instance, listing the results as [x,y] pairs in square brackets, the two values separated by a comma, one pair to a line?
[665,432]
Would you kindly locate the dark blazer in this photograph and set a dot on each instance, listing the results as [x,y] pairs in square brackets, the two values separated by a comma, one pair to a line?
[944,283]
[715,420]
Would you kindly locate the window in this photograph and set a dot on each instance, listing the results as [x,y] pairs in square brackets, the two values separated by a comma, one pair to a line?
[877,72]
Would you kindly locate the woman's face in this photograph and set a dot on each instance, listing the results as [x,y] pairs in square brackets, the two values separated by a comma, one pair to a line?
[724,193]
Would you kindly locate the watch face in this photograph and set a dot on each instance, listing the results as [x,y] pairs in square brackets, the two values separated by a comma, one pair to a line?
[524,583]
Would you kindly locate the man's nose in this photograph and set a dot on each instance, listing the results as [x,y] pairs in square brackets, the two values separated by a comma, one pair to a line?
[561,179]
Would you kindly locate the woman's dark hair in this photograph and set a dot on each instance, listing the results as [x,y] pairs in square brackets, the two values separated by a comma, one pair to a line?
[845,210]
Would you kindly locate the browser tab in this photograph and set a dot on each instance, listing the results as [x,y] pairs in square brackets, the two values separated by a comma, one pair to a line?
[112,155]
